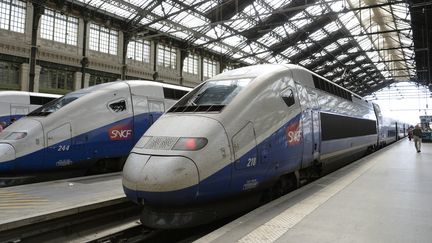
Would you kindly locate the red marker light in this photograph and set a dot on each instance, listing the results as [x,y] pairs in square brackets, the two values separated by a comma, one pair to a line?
[191,144]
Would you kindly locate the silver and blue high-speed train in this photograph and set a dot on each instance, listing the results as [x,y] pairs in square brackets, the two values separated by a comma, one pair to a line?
[95,126]
[255,129]
[16,104]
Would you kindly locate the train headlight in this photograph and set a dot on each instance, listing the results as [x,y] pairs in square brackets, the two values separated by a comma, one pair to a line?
[143,141]
[16,136]
[190,144]
[7,152]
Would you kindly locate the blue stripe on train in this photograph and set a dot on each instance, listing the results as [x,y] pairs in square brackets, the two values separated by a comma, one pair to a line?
[275,156]
[7,119]
[95,144]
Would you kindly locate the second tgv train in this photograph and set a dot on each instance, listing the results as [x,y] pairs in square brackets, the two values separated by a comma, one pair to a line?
[95,127]
[16,104]
[260,128]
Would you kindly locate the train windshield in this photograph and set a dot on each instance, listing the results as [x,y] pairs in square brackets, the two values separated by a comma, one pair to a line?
[56,104]
[211,96]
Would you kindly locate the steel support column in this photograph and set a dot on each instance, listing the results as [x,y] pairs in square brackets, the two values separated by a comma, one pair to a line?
[38,10]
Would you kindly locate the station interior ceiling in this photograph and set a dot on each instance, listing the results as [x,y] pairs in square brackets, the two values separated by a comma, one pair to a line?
[362,45]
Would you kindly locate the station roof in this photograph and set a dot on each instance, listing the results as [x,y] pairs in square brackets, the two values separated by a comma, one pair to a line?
[363,45]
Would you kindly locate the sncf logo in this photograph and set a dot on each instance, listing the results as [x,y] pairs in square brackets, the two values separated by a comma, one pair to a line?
[293,134]
[120,132]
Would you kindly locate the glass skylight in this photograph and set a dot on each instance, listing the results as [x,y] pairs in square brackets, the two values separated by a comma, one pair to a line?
[318,35]
[120,9]
[315,10]
[228,34]
[337,6]
[331,47]
[233,40]
[284,30]
[333,26]
[301,20]
[356,69]
[269,39]
[291,51]
[188,19]
[240,23]
[277,4]
[165,8]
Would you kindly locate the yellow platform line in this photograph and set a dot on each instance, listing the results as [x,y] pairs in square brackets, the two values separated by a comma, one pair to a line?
[10,193]
[16,200]
[28,204]
[18,195]
[3,208]
[20,199]
[22,204]
[23,200]
[5,190]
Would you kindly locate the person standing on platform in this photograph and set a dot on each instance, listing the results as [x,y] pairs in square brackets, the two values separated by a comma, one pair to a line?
[410,132]
[417,133]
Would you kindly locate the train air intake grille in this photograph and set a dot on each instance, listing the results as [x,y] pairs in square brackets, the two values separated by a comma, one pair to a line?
[161,143]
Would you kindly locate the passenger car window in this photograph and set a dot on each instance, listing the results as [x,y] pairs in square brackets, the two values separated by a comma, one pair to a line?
[118,106]
[288,97]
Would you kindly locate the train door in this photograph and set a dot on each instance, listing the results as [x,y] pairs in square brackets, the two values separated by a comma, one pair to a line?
[306,122]
[288,152]
[396,131]
[58,152]
[156,109]
[246,170]
[310,124]
[316,134]
[380,125]
[142,119]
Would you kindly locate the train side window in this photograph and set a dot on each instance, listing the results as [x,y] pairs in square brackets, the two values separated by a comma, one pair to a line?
[117,106]
[156,106]
[288,97]
[40,100]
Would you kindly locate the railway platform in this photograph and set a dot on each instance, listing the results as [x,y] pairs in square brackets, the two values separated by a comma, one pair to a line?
[25,204]
[384,197]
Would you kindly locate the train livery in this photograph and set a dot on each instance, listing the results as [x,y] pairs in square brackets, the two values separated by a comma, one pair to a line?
[95,127]
[16,104]
[262,128]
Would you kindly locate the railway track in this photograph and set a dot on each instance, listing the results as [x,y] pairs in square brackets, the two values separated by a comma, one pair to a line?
[111,224]
[116,222]
[85,226]
[111,221]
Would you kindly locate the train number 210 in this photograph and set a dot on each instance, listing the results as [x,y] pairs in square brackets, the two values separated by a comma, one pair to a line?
[251,162]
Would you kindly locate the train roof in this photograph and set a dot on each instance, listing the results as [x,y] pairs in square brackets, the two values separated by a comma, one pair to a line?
[292,66]
[115,84]
[25,93]
[254,71]
[250,71]
[164,85]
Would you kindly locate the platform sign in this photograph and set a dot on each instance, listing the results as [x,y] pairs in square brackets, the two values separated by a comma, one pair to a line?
[425,119]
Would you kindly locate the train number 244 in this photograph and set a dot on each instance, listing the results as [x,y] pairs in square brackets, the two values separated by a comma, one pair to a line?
[62,148]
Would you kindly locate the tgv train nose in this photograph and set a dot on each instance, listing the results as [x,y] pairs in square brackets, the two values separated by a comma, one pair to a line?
[7,155]
[160,179]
